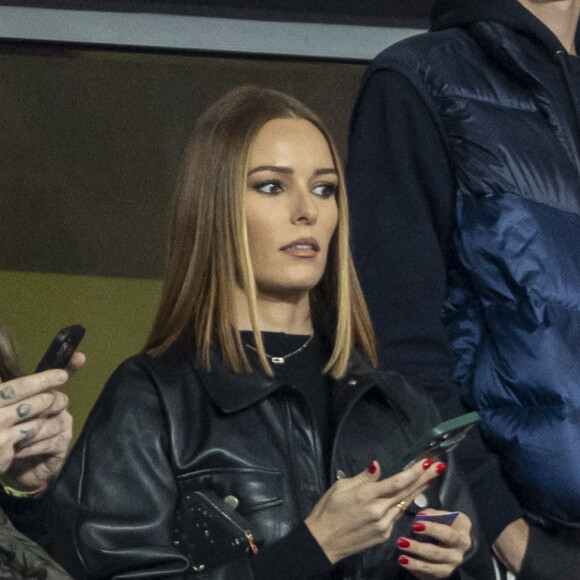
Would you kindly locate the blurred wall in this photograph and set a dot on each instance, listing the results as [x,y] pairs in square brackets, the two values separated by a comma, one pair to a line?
[90,142]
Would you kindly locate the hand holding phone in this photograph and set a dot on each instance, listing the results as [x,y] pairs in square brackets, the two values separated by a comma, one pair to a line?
[438,440]
[61,348]
[445,518]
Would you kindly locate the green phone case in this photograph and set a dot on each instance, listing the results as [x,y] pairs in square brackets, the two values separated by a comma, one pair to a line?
[438,440]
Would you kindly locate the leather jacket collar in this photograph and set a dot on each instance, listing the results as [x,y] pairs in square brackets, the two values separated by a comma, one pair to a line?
[233,392]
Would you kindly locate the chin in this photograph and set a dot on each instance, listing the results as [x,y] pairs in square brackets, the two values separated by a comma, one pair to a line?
[288,289]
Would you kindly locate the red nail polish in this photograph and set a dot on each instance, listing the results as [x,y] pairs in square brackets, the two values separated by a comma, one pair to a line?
[427,463]
[441,468]
[403,560]
[402,543]
[421,514]
[372,468]
[418,527]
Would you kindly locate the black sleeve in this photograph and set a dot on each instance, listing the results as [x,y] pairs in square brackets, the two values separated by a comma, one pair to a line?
[402,194]
[294,557]
[115,497]
[551,554]
[28,515]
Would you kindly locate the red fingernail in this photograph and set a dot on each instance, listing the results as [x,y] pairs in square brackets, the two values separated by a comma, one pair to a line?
[403,560]
[427,463]
[421,514]
[372,468]
[418,527]
[441,468]
[402,543]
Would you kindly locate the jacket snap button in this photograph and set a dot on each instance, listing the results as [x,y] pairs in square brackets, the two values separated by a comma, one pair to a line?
[421,501]
[352,382]
[232,501]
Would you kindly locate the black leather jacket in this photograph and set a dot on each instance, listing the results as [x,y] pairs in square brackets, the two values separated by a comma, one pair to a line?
[161,430]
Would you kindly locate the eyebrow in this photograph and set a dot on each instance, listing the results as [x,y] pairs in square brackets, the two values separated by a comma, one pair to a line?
[288,170]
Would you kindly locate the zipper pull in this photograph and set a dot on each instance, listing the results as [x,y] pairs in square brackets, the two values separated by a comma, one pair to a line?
[253,546]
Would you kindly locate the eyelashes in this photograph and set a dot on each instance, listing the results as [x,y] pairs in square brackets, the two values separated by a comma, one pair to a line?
[275,187]
[270,187]
[325,190]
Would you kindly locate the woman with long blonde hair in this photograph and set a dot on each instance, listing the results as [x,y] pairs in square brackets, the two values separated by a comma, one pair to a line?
[247,439]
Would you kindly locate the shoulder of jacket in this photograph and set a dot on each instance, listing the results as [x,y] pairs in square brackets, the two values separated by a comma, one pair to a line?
[395,390]
[422,49]
[169,368]
[404,391]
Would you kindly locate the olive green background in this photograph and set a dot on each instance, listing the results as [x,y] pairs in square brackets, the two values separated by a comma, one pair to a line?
[90,143]
[117,313]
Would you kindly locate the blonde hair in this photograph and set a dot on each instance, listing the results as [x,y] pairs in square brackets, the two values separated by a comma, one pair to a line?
[208,249]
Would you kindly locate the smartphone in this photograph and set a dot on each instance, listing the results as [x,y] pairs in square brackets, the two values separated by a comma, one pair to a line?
[61,348]
[446,519]
[438,440]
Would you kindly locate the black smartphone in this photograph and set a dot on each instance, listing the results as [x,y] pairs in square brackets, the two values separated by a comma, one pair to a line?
[438,440]
[61,348]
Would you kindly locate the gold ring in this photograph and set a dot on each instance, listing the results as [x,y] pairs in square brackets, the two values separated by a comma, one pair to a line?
[402,506]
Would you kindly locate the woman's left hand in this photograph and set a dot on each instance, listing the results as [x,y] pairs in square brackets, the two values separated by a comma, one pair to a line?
[426,560]
[33,446]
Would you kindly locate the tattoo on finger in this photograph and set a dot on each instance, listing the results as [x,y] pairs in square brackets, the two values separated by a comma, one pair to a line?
[7,393]
[23,410]
[26,434]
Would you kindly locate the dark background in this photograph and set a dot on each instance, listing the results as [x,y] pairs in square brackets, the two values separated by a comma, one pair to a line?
[91,140]
[91,136]
[90,143]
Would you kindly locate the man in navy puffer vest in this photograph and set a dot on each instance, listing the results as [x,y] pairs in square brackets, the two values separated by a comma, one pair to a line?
[464,181]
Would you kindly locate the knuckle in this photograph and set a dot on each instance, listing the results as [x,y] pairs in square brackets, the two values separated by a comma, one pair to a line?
[384,526]
[51,427]
[467,543]
[65,437]
[466,523]
[60,400]
[68,421]
[375,513]
[456,559]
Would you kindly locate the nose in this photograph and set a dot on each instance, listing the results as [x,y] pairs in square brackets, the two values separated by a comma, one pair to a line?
[305,209]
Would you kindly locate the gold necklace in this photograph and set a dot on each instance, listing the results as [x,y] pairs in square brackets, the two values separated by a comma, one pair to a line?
[280,360]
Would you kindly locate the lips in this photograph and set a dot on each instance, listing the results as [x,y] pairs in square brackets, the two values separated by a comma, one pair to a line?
[303,247]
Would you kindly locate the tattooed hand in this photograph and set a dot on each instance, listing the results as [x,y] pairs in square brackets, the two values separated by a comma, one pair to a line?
[35,427]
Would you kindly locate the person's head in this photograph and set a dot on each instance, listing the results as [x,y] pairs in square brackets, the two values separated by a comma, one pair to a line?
[214,241]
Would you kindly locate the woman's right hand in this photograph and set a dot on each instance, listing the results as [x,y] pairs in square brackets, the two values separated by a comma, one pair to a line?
[359,512]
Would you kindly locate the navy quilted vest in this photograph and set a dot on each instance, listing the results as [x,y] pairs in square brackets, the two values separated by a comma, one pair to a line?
[513,308]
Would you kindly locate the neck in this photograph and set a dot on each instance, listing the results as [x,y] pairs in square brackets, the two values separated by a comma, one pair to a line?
[276,314]
[560,16]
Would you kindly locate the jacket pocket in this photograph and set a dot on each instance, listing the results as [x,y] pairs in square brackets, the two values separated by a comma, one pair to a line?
[255,493]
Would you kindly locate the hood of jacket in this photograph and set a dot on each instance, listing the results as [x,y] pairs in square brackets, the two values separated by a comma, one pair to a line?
[461,13]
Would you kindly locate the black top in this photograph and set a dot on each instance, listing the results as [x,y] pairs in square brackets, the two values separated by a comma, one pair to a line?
[298,555]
